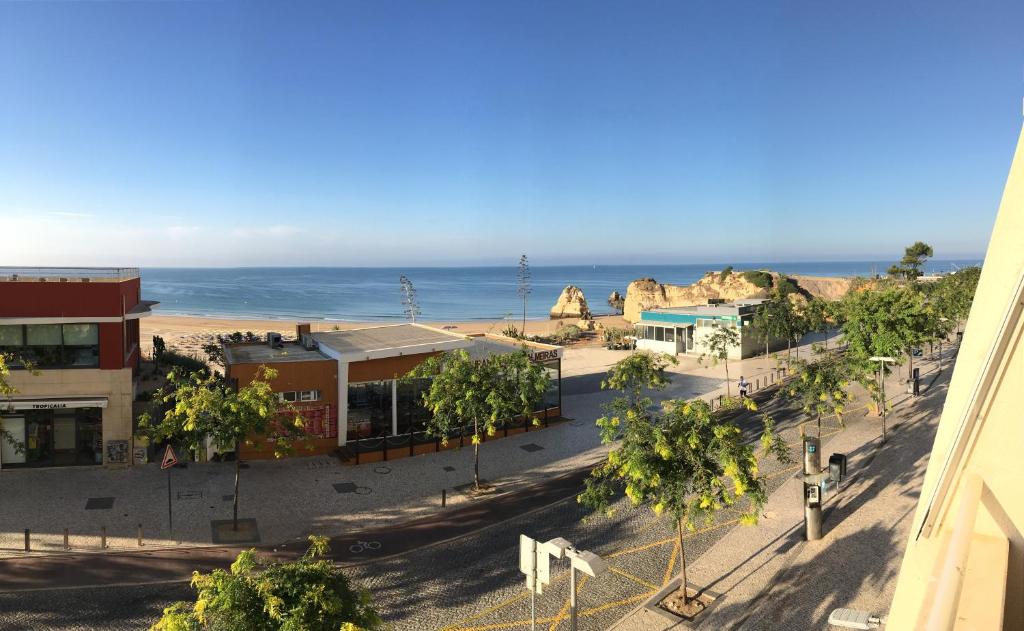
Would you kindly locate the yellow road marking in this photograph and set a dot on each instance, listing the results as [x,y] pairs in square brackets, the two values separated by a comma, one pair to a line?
[637,580]
[671,564]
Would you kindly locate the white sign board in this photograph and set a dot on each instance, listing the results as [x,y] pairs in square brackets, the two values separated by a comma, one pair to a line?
[527,555]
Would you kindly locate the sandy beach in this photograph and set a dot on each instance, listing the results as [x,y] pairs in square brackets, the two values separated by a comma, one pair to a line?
[187,334]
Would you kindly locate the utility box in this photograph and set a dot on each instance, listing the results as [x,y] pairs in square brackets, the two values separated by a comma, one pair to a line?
[837,467]
[812,455]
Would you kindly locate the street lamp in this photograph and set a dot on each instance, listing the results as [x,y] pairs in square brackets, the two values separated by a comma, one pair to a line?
[882,361]
[588,563]
[940,344]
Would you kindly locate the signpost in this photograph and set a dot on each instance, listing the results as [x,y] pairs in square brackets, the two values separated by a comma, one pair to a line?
[535,563]
[170,459]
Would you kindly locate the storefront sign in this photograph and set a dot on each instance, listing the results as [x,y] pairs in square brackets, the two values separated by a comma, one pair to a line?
[540,356]
[55,404]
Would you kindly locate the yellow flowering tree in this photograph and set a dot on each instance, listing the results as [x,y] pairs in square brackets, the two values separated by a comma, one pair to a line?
[199,405]
[686,461]
[820,388]
[465,392]
[257,594]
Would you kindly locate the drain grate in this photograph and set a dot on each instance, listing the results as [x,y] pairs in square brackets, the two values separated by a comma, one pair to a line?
[99,503]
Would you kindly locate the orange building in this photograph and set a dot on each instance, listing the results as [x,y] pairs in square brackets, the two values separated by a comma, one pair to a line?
[347,384]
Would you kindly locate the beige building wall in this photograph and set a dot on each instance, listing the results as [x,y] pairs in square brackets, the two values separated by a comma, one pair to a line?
[114,385]
[964,563]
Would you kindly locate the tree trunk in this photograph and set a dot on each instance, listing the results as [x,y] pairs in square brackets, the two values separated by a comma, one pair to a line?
[819,427]
[523,332]
[826,339]
[789,348]
[682,561]
[766,349]
[728,393]
[910,367]
[234,516]
[476,456]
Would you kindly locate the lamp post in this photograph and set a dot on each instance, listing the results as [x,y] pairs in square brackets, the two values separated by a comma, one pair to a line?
[882,361]
[940,343]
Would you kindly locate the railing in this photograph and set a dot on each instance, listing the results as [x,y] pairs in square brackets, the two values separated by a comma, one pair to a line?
[57,274]
[462,436]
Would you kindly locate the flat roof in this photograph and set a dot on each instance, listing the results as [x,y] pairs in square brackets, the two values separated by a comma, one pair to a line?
[728,308]
[485,346]
[67,274]
[385,338]
[255,353]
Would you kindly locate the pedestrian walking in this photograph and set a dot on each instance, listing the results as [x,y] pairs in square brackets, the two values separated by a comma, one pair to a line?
[744,385]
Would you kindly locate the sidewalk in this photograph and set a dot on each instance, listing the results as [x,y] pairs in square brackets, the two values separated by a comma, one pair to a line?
[769,577]
[294,497]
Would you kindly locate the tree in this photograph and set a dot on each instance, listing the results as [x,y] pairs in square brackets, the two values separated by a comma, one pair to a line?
[687,461]
[768,322]
[718,343]
[820,387]
[410,306]
[258,594]
[466,392]
[6,390]
[159,348]
[817,317]
[880,323]
[523,288]
[200,406]
[914,258]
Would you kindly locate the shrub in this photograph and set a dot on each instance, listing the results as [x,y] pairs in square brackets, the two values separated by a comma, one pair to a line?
[513,332]
[189,363]
[618,338]
[725,273]
[758,278]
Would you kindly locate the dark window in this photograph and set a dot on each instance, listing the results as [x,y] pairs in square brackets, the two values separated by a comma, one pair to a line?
[369,409]
[52,345]
[659,334]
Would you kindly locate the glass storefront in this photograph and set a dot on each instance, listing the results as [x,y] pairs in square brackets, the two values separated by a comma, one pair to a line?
[52,438]
[369,409]
[553,395]
[412,416]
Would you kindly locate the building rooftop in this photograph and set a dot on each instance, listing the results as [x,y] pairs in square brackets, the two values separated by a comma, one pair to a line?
[67,274]
[485,346]
[257,353]
[728,308]
[393,337]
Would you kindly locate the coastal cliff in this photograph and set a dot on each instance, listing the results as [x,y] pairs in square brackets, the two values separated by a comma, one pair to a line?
[647,293]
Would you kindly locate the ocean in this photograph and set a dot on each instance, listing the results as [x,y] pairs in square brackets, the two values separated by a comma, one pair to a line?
[444,293]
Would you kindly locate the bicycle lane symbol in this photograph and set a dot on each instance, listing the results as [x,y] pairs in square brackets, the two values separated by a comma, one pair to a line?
[358,547]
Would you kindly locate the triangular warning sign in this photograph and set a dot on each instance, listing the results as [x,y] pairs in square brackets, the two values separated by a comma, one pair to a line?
[169,458]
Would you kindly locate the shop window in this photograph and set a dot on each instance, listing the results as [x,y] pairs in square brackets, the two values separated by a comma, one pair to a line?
[659,334]
[552,396]
[670,335]
[369,409]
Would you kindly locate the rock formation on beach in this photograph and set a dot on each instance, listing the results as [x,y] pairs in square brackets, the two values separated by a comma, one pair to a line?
[571,304]
[647,293]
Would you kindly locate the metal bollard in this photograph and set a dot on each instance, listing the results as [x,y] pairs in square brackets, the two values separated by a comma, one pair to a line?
[67,546]
[140,535]
[103,537]
[444,497]
[28,542]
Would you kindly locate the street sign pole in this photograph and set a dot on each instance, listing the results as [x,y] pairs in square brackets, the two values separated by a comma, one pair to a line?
[170,459]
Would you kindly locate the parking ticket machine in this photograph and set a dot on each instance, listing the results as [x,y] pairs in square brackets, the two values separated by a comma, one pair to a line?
[812,492]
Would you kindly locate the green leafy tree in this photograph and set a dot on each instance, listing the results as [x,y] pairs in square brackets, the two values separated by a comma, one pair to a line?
[769,323]
[159,348]
[818,317]
[719,342]
[465,392]
[258,594]
[6,390]
[885,323]
[820,388]
[914,258]
[199,405]
[687,461]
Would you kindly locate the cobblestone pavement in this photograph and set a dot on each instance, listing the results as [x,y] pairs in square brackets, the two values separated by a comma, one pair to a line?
[469,583]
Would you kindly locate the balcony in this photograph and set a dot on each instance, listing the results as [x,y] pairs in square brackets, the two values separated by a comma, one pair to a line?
[67,274]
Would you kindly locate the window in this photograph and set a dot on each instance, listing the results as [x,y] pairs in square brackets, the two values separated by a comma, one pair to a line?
[53,345]
[369,409]
[300,395]
[670,335]
[649,334]
[659,334]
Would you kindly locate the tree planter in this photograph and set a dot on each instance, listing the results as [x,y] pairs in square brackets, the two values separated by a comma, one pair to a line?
[657,602]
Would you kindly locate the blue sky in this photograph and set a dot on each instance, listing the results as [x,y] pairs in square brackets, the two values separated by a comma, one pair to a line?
[399,133]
